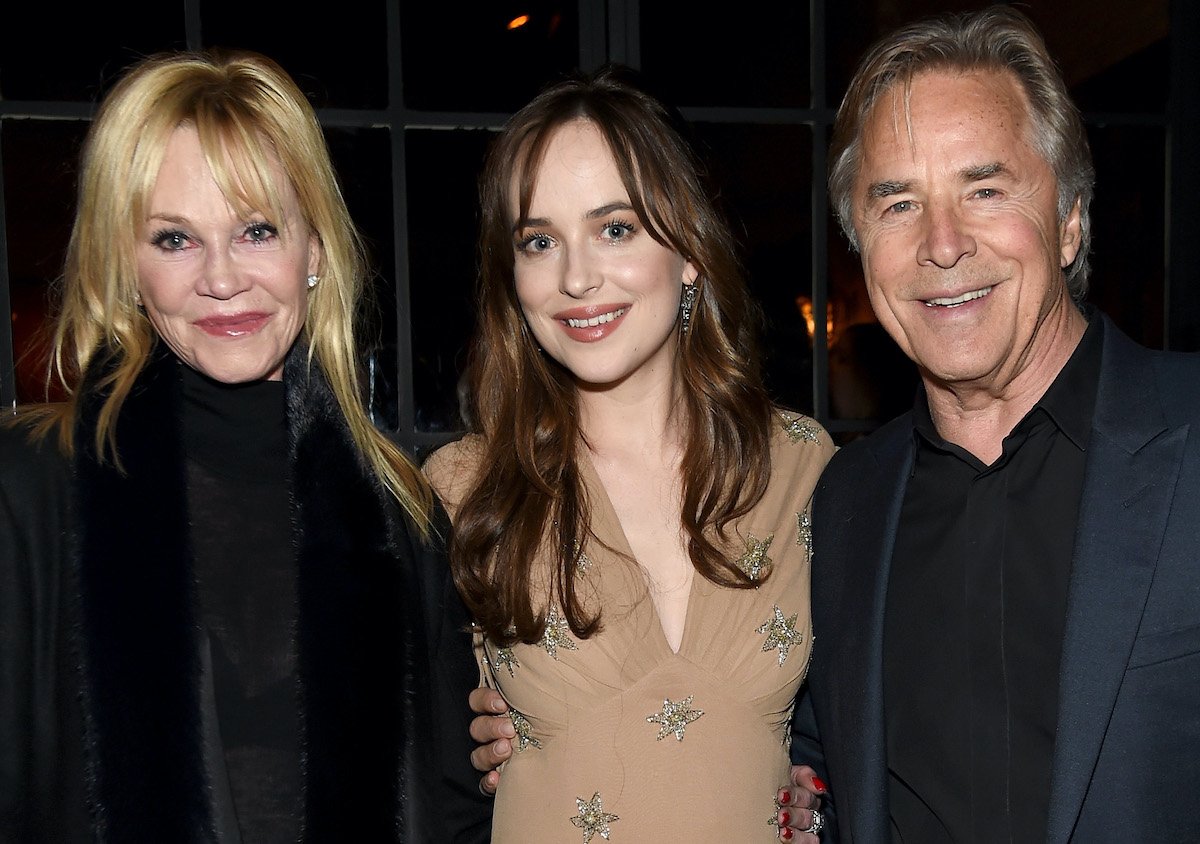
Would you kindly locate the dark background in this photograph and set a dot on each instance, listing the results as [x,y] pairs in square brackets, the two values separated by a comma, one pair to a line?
[410,95]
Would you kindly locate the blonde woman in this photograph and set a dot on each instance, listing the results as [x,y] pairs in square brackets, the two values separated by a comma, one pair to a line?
[225,605]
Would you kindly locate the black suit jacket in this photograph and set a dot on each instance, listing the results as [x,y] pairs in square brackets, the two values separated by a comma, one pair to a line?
[1127,752]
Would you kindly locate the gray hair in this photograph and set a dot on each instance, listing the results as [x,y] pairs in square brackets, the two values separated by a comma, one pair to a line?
[997,39]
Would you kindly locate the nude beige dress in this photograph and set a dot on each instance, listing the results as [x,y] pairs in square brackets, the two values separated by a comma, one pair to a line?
[621,739]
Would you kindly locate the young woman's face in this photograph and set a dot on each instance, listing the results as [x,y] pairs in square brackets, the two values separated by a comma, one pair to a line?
[600,295]
[226,291]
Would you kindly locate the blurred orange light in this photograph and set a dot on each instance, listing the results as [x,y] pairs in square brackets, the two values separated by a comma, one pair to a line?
[518,21]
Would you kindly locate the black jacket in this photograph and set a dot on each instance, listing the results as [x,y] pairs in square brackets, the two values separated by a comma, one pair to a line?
[106,699]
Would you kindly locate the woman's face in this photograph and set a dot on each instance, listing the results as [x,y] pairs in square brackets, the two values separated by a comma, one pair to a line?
[226,291]
[599,293]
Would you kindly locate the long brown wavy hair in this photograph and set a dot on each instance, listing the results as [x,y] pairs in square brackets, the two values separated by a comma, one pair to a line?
[528,494]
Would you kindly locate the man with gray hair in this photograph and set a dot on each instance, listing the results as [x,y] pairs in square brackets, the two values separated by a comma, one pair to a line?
[1006,579]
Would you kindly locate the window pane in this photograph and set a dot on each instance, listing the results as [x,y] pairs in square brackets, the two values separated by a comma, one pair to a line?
[363,159]
[442,228]
[338,59]
[1114,58]
[483,58]
[77,55]
[39,198]
[750,54]
[764,177]
[1128,227]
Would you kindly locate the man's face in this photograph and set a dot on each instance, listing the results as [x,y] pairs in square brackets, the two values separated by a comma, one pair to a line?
[957,221]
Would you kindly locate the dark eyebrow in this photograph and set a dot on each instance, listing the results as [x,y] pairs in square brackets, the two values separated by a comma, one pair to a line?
[984,171]
[593,214]
[879,190]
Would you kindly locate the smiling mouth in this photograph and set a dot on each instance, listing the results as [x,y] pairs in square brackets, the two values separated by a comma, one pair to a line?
[954,302]
[596,320]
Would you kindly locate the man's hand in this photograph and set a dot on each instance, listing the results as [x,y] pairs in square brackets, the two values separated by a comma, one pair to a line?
[493,729]
[799,805]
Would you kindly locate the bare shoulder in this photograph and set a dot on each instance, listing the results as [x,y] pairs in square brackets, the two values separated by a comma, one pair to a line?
[451,469]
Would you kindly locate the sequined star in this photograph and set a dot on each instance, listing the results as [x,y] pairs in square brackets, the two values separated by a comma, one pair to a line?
[582,561]
[592,818]
[781,633]
[556,636]
[505,658]
[801,428]
[675,717]
[755,560]
[804,531]
[524,730]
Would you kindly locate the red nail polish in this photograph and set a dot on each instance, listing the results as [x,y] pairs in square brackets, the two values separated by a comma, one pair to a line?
[784,818]
[786,835]
[819,784]
[785,797]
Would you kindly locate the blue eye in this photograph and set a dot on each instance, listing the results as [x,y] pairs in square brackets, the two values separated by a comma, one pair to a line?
[171,240]
[260,232]
[535,243]
[617,230]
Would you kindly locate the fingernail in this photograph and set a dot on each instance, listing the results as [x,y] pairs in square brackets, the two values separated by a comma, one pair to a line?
[819,784]
[785,797]
[784,818]
[786,834]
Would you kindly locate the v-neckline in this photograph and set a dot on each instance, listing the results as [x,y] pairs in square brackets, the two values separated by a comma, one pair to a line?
[600,496]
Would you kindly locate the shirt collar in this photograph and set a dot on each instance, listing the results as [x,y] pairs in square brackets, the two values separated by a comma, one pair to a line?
[1069,401]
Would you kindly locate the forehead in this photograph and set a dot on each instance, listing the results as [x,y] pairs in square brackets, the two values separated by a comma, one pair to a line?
[946,116]
[575,160]
[249,178]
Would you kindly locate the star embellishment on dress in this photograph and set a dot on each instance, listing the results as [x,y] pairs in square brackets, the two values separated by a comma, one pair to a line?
[507,659]
[556,636]
[675,717]
[755,560]
[801,428]
[582,561]
[781,633]
[524,730]
[592,818]
[804,531]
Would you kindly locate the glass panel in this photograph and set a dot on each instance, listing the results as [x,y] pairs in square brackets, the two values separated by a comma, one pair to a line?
[1113,53]
[1128,229]
[763,174]
[751,54]
[39,198]
[77,52]
[442,228]
[487,57]
[363,159]
[339,59]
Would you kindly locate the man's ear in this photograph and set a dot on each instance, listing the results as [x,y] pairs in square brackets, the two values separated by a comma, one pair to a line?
[1070,235]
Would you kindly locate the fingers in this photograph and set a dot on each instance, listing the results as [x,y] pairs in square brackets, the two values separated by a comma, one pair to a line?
[488,783]
[485,701]
[794,821]
[799,806]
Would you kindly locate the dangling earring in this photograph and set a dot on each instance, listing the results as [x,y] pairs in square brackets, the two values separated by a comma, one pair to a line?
[687,304]
[312,281]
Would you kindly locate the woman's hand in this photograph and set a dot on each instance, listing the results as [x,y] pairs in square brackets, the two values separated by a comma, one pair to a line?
[799,807]
[493,729]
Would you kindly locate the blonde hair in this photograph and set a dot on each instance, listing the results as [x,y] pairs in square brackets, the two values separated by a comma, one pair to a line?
[250,117]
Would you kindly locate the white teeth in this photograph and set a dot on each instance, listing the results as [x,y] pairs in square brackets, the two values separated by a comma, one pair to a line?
[596,320]
[958,300]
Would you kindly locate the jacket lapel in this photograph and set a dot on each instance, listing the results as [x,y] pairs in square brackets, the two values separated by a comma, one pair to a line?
[1132,466]
[849,592]
[355,637]
[138,637]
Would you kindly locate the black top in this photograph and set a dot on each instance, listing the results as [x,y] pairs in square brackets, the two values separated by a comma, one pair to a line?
[975,613]
[235,438]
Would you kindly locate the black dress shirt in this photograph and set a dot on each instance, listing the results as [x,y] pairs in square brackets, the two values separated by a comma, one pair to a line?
[976,607]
